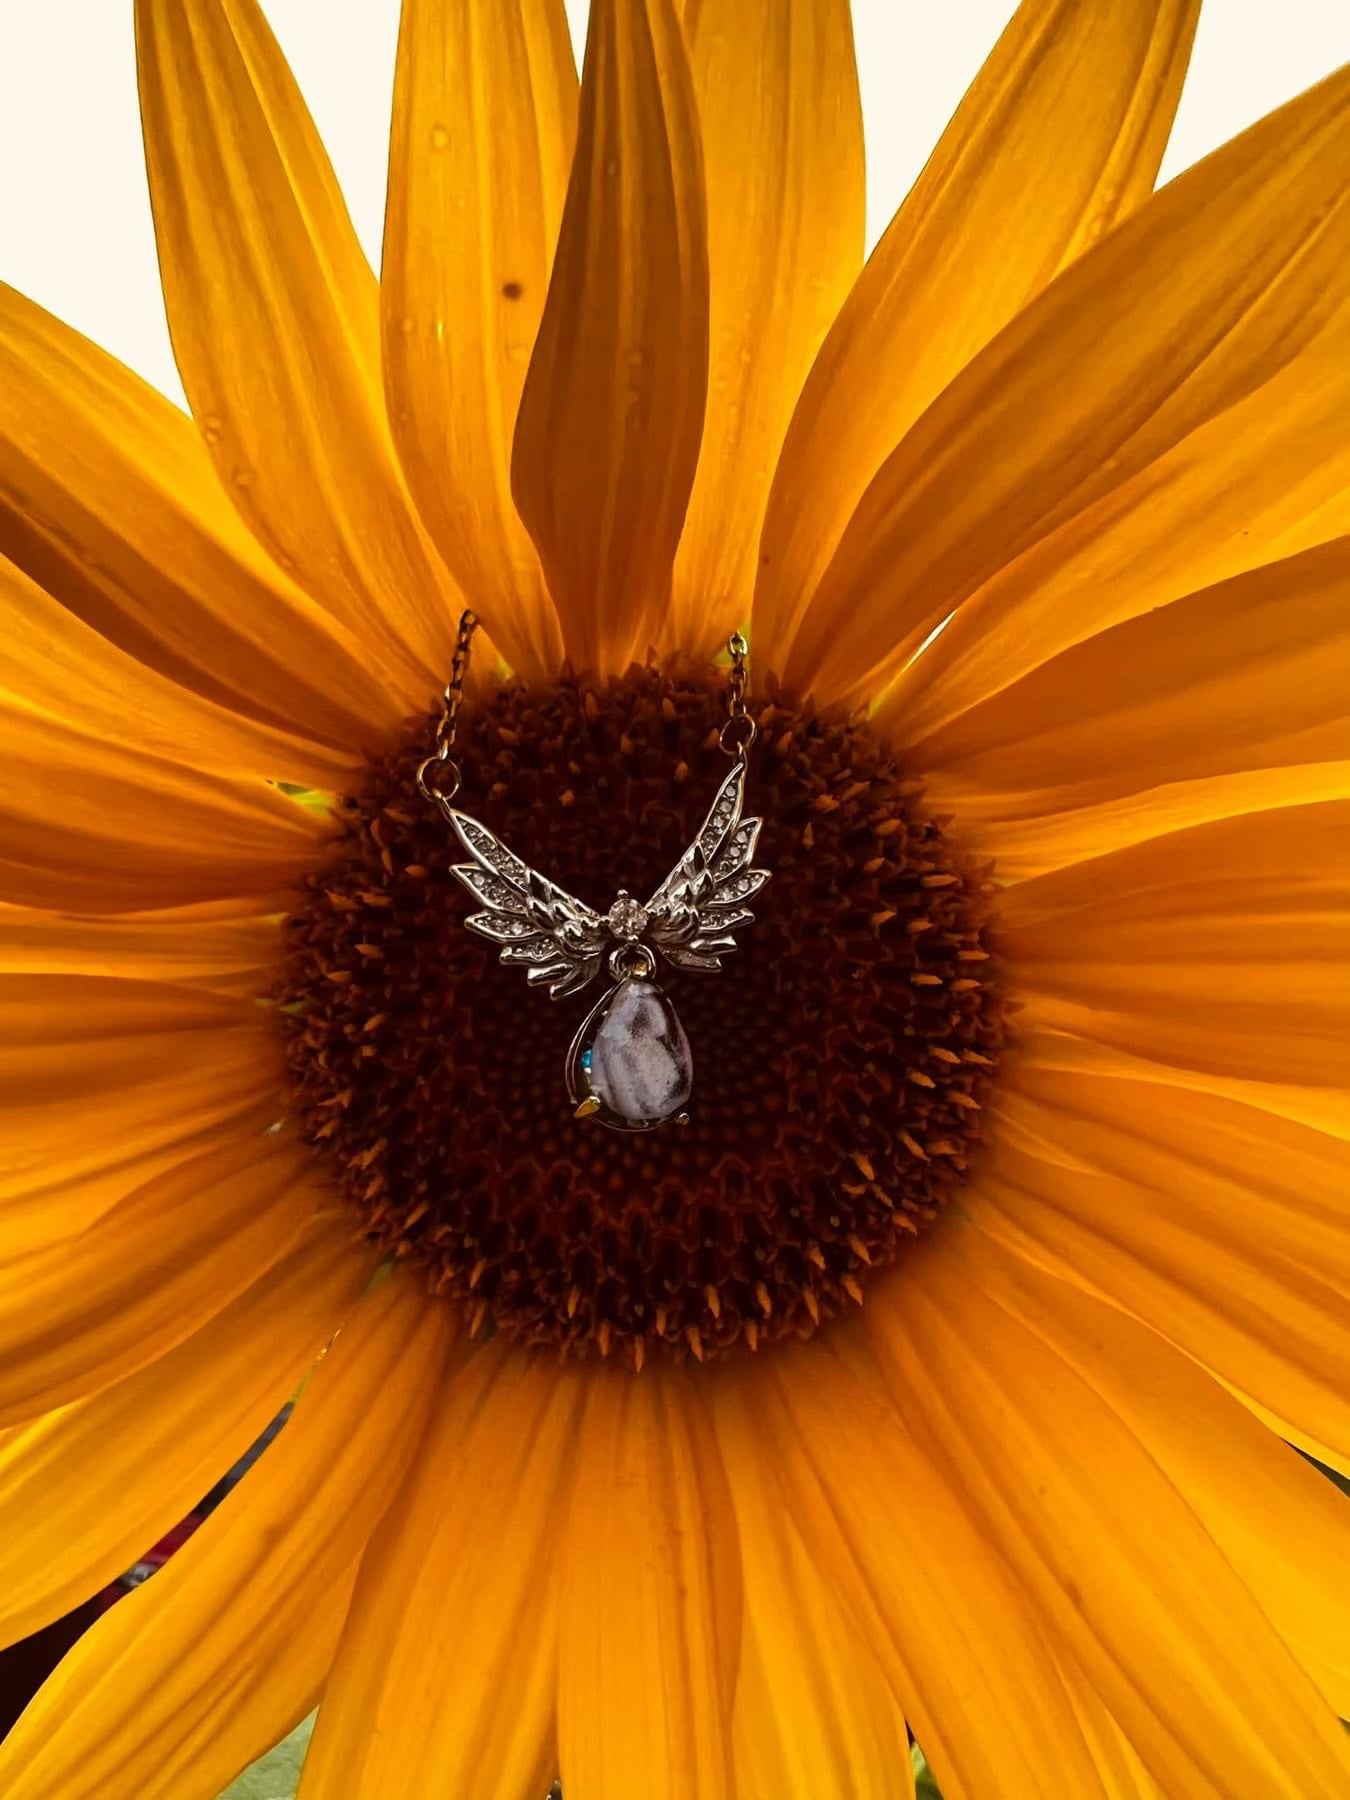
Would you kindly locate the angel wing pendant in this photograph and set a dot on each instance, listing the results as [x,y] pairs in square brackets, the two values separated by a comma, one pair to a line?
[629,1065]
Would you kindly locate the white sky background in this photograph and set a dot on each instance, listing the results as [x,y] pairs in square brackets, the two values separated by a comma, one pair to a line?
[75,219]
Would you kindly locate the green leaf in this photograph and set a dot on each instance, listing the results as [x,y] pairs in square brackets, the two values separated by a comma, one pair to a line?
[275,1776]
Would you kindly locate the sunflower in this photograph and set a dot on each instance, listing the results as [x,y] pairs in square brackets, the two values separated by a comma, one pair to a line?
[948,1373]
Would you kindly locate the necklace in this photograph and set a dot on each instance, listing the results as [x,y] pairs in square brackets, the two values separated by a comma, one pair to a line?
[629,1065]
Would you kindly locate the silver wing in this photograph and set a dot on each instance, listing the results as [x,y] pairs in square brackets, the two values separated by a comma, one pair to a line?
[558,940]
[702,901]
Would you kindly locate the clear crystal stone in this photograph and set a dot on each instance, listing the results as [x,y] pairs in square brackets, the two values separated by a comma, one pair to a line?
[627,919]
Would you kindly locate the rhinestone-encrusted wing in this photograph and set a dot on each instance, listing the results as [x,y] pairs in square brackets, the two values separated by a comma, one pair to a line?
[702,901]
[559,941]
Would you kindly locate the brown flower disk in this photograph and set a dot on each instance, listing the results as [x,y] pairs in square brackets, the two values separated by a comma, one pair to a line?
[839,1057]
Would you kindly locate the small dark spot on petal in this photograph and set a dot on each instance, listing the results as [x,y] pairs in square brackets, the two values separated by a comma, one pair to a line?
[512,290]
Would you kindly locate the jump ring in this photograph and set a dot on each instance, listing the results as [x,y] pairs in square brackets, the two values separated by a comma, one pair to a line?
[443,790]
[738,734]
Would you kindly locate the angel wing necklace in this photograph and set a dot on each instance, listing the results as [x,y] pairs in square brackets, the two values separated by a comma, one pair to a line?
[629,1065]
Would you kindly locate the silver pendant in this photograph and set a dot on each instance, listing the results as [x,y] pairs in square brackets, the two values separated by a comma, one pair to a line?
[629,1066]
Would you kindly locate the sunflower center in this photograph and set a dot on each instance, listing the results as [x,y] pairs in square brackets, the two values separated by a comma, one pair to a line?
[839,1056]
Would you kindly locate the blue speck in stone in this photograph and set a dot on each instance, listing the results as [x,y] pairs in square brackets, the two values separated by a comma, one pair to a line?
[587,1057]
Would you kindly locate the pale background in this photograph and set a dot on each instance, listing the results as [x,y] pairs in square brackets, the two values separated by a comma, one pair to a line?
[75,221]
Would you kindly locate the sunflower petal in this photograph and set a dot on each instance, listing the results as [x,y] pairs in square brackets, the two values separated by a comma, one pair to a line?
[109,502]
[95,825]
[1121,1569]
[1266,477]
[777,91]
[813,1438]
[608,430]
[1244,676]
[58,665]
[1210,1238]
[1284,1527]
[1074,105]
[814,1712]
[1225,948]
[1227,278]
[104,1083]
[228,948]
[485,102]
[93,1308]
[651,1601]
[459,1598]
[193,1675]
[274,316]
[150,1446]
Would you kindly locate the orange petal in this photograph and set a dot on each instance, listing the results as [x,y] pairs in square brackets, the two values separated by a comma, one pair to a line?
[485,103]
[1224,949]
[1227,277]
[651,1603]
[1212,1238]
[814,1445]
[105,1082]
[228,948]
[1053,840]
[150,1446]
[1073,108]
[608,432]
[57,665]
[1282,1525]
[199,1671]
[274,316]
[80,1314]
[1246,675]
[814,1712]
[777,92]
[1121,1570]
[109,502]
[1266,477]
[448,1663]
[93,826]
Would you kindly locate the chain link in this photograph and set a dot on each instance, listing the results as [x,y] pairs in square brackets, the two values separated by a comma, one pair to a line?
[736,737]
[446,784]
[740,730]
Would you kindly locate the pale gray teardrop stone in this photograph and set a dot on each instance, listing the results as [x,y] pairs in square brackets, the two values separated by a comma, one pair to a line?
[639,1066]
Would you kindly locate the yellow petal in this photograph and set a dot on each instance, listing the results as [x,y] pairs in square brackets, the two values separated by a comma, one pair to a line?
[94,825]
[812,1438]
[485,102]
[777,92]
[227,948]
[1225,948]
[1122,1775]
[1121,1570]
[1266,477]
[651,1603]
[274,316]
[151,1446]
[610,419]
[445,1680]
[1052,840]
[814,1713]
[58,665]
[108,501]
[155,1267]
[1058,139]
[1227,277]
[104,1082]
[1244,676]
[1214,1240]
[1283,1526]
[197,1672]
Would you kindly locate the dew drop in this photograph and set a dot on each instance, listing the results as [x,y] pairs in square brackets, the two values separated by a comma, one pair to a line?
[242,477]
[440,137]
[213,428]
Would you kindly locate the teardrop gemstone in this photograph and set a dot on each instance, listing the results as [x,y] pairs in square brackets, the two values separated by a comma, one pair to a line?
[632,1056]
